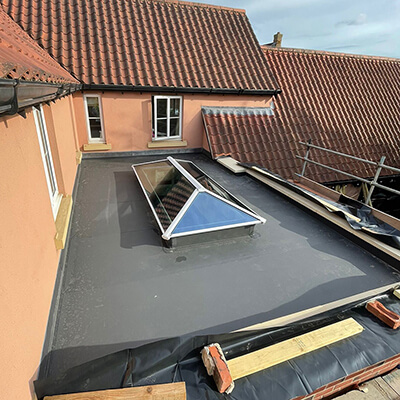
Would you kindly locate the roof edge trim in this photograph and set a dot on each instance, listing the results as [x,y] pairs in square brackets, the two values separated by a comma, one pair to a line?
[19,95]
[173,89]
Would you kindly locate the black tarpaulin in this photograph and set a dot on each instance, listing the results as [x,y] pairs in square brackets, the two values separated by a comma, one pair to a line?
[178,359]
[345,207]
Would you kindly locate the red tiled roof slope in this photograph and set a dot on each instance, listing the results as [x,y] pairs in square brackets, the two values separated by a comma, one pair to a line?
[347,103]
[147,42]
[22,58]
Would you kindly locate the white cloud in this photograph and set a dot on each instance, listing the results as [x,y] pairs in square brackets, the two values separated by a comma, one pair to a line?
[358,26]
[359,20]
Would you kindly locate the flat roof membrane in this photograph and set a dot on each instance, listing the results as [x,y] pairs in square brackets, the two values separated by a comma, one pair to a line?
[119,288]
[185,201]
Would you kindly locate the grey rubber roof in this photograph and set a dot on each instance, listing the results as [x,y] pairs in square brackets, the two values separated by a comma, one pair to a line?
[119,288]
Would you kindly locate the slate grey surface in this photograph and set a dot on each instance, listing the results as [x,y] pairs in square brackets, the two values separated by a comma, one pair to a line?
[120,288]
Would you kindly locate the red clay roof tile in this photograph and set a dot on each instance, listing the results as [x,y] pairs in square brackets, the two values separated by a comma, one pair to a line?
[157,43]
[22,58]
[348,103]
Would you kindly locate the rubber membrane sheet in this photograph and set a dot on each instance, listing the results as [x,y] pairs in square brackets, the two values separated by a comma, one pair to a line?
[358,215]
[178,359]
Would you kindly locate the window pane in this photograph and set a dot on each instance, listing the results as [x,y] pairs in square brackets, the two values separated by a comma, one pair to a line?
[174,127]
[161,128]
[167,189]
[174,107]
[209,184]
[53,184]
[95,128]
[208,212]
[161,108]
[93,106]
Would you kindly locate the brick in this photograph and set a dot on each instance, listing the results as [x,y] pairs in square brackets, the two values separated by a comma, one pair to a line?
[341,386]
[388,317]
[222,376]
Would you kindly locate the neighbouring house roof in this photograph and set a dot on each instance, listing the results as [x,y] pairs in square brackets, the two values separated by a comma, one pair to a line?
[345,102]
[150,43]
[22,58]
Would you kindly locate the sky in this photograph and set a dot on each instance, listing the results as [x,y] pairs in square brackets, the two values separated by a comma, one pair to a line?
[369,27]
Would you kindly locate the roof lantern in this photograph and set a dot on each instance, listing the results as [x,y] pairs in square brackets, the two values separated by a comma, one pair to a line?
[185,201]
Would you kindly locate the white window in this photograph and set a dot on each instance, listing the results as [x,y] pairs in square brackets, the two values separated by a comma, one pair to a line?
[167,117]
[50,173]
[94,118]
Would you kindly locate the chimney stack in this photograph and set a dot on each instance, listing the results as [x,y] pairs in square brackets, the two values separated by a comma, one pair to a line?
[277,40]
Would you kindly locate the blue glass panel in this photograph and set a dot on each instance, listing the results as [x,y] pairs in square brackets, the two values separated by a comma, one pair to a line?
[207,212]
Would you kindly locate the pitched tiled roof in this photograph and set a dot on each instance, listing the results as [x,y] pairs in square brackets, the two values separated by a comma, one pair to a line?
[22,58]
[151,43]
[347,103]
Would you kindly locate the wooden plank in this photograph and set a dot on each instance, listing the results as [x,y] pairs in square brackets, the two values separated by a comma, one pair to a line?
[377,389]
[311,312]
[333,208]
[393,380]
[289,349]
[78,157]
[318,188]
[231,164]
[62,222]
[331,217]
[169,391]
[395,222]
[97,147]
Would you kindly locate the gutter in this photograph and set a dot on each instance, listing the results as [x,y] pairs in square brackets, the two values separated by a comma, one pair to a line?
[16,95]
[173,89]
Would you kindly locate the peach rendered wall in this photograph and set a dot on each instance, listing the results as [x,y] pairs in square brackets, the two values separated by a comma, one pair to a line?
[127,117]
[28,255]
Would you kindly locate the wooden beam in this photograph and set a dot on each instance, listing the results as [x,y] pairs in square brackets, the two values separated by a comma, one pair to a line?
[231,164]
[332,194]
[376,389]
[169,391]
[322,212]
[317,188]
[289,349]
[78,157]
[393,380]
[62,222]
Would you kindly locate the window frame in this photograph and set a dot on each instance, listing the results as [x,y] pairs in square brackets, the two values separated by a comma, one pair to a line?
[101,139]
[168,118]
[55,198]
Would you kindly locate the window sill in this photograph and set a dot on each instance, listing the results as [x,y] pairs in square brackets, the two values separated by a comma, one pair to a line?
[96,146]
[166,143]
[62,222]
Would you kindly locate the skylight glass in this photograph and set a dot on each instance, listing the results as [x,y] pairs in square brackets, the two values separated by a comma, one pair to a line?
[166,189]
[208,212]
[186,201]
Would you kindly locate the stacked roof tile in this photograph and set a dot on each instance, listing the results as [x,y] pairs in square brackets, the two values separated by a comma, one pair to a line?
[22,58]
[344,102]
[154,43]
